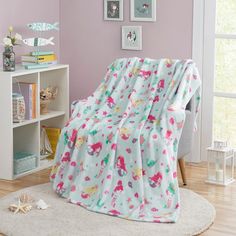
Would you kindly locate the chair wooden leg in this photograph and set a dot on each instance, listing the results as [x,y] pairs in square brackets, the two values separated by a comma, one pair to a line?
[182,170]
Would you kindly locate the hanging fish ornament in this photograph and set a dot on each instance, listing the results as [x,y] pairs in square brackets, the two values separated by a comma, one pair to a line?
[40,26]
[38,42]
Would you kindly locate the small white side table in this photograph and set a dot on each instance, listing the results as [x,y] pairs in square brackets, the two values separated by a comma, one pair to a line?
[220,166]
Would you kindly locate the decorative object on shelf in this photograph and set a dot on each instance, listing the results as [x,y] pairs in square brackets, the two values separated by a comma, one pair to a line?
[132,37]
[220,169]
[8,55]
[44,106]
[20,207]
[46,96]
[53,136]
[39,26]
[18,108]
[38,42]
[45,146]
[24,161]
[29,92]
[143,10]
[113,10]
[45,58]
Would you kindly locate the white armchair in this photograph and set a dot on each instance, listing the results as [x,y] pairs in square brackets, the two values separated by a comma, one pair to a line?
[186,140]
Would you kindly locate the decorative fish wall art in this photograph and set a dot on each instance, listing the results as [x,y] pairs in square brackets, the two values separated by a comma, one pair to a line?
[38,42]
[40,26]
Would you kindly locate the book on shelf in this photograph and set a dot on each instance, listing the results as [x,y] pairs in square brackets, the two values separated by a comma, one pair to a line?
[41,53]
[28,91]
[40,58]
[36,66]
[25,63]
[53,136]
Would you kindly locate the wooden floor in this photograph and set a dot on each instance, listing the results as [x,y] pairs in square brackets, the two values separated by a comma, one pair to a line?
[223,198]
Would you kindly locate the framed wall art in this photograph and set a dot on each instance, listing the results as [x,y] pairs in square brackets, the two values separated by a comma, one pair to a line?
[143,10]
[113,10]
[132,37]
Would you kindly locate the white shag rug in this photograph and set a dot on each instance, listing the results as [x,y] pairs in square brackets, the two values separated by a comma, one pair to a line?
[65,219]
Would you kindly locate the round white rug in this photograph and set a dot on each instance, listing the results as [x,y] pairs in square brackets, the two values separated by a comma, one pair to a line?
[65,219]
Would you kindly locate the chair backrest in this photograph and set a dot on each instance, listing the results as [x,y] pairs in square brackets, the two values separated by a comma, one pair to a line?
[186,139]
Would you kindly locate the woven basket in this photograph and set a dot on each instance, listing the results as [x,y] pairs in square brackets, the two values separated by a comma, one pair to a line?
[24,162]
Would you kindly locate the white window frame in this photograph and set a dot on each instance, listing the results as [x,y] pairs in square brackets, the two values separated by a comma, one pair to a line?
[204,36]
[203,53]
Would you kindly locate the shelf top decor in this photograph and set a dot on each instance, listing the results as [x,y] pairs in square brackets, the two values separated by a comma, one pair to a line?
[39,41]
[9,42]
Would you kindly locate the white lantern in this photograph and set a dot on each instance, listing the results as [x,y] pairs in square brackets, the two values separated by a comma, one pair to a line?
[220,165]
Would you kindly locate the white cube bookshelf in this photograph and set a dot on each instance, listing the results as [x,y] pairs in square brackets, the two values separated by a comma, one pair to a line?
[25,136]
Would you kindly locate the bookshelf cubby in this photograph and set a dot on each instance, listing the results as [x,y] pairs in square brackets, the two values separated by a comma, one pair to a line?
[25,136]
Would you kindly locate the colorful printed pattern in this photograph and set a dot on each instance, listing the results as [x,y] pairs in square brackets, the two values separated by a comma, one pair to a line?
[117,154]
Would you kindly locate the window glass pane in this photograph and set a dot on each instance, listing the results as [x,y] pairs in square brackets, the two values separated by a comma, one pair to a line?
[225,76]
[224,124]
[226,16]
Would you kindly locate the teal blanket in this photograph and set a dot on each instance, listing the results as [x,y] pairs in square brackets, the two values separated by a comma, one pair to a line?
[118,153]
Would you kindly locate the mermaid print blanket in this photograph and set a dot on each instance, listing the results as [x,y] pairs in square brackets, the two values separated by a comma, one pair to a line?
[118,152]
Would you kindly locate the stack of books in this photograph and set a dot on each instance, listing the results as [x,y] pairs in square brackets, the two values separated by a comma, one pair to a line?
[29,92]
[38,60]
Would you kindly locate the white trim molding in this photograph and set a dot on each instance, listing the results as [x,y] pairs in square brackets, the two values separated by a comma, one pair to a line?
[225,36]
[208,75]
[203,53]
[225,95]
[197,56]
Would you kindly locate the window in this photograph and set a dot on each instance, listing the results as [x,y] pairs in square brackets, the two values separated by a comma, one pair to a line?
[224,114]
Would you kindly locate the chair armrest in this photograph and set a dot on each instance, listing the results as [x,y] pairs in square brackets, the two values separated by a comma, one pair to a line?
[186,139]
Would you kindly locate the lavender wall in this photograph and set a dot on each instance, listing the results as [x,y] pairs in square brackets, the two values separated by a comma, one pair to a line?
[18,13]
[89,44]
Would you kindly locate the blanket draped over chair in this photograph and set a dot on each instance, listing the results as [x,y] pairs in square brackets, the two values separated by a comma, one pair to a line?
[117,153]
